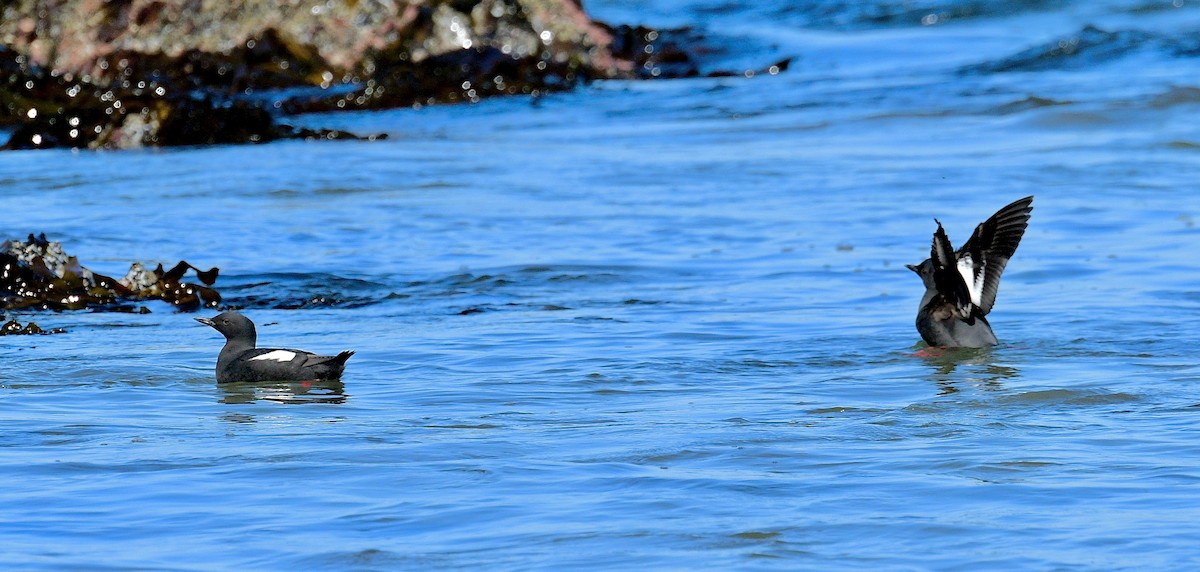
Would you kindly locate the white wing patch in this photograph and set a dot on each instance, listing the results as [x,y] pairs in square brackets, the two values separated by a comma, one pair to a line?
[277,355]
[966,267]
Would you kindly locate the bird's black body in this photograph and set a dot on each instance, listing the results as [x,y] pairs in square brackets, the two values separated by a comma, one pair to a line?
[961,286]
[240,360]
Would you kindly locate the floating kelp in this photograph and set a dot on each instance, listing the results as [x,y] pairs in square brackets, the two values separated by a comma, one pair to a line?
[39,274]
[14,328]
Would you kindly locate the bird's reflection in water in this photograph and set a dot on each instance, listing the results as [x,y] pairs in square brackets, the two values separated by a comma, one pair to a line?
[291,392]
[982,369]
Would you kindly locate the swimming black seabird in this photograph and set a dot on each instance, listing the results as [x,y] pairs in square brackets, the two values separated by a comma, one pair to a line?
[960,287]
[239,360]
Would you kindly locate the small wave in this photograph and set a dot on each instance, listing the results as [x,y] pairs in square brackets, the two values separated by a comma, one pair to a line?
[1185,145]
[855,14]
[521,287]
[1069,397]
[292,291]
[1178,95]
[1027,104]
[1087,48]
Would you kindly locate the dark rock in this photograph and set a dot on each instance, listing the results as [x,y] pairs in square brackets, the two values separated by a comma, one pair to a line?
[56,111]
[462,76]
[267,61]
[14,328]
[656,53]
[130,73]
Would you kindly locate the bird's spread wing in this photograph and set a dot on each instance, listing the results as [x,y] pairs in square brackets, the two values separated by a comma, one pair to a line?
[946,277]
[970,267]
[982,259]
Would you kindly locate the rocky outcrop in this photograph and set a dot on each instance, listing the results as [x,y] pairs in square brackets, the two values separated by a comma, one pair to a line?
[37,274]
[124,73]
[14,328]
[53,110]
[294,41]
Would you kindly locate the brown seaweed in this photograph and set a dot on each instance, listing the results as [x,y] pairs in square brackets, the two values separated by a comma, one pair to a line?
[37,274]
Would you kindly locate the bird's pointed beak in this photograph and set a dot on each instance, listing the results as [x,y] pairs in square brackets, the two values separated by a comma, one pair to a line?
[205,321]
[912,267]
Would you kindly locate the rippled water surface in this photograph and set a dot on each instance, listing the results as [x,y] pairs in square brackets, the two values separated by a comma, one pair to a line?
[661,325]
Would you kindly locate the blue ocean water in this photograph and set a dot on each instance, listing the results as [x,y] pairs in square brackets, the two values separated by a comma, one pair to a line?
[652,324]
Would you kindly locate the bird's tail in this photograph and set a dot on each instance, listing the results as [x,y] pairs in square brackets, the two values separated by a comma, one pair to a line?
[332,367]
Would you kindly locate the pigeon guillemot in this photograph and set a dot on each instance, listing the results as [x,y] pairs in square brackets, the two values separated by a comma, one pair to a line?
[960,287]
[241,361]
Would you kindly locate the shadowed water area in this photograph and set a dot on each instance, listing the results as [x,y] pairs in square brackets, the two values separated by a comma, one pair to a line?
[651,324]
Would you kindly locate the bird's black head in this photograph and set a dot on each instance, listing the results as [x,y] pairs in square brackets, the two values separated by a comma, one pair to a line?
[233,326]
[924,270]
